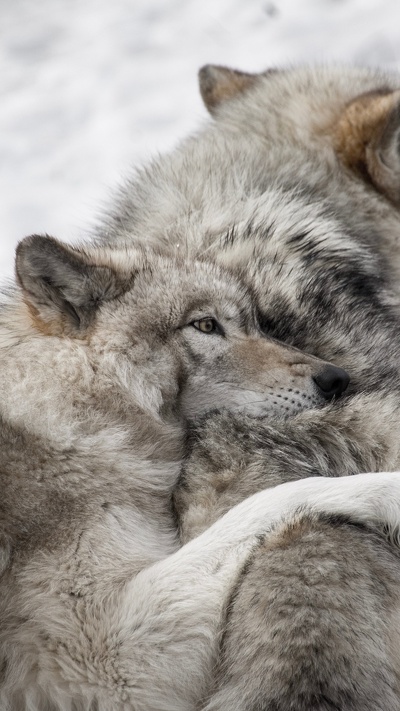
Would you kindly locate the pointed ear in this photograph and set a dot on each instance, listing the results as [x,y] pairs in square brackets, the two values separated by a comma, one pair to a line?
[367,140]
[61,287]
[219,84]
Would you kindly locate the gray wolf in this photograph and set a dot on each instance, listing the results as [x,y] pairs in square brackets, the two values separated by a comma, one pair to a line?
[295,187]
[295,184]
[105,354]
[101,606]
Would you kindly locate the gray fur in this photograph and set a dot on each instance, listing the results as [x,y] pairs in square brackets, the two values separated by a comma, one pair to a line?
[310,623]
[104,356]
[295,187]
[101,367]
[312,620]
[264,190]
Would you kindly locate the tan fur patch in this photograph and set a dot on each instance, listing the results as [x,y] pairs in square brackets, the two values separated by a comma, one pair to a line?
[256,356]
[47,329]
[290,532]
[361,125]
[55,327]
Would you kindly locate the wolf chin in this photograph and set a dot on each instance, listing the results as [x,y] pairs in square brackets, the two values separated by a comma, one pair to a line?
[276,222]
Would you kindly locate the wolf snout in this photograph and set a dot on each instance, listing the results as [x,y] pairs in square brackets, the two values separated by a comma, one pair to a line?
[331,381]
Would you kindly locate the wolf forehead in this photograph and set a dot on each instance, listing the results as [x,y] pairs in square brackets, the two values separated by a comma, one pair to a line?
[79,281]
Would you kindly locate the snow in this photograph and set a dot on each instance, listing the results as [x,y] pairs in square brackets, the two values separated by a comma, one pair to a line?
[90,87]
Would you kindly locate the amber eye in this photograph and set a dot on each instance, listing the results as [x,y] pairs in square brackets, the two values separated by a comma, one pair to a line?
[207,325]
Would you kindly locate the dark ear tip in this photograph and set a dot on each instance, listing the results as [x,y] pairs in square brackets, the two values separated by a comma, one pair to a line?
[25,243]
[219,84]
[29,252]
[214,73]
[34,242]
[206,75]
[24,247]
[206,69]
[211,78]
[203,70]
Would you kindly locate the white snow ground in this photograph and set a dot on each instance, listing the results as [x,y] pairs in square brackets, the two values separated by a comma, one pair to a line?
[90,87]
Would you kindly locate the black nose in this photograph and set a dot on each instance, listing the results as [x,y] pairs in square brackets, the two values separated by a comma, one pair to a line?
[331,381]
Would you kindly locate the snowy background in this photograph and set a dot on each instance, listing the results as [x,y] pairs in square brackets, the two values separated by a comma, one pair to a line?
[90,87]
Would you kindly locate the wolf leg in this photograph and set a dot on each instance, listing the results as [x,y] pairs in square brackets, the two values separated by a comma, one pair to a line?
[171,615]
[313,623]
[152,641]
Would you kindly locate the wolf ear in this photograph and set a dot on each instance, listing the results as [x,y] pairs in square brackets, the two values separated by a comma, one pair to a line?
[219,84]
[367,139]
[61,287]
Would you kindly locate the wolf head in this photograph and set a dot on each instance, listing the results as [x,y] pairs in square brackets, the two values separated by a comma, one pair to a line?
[294,185]
[353,112]
[132,335]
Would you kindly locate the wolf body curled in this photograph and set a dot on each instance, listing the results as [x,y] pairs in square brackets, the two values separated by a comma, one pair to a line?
[283,214]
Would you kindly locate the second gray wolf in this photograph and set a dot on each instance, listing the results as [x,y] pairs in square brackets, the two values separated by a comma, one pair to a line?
[294,185]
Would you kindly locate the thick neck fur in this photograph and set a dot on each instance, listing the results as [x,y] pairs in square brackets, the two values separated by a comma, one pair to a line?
[65,435]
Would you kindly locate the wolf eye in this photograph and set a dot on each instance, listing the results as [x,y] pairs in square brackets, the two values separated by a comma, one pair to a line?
[207,325]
